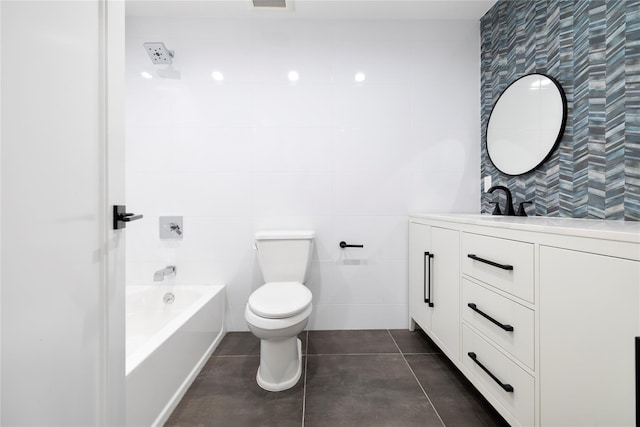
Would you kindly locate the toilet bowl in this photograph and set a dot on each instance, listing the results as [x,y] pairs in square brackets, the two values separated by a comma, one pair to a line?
[277,326]
[279,310]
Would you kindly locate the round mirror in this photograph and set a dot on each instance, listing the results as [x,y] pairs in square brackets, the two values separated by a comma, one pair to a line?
[526,124]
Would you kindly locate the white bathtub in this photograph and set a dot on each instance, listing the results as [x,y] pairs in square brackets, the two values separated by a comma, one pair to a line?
[167,346]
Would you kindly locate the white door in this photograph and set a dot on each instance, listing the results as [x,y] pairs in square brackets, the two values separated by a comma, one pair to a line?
[589,315]
[445,292]
[434,284]
[61,165]
[419,268]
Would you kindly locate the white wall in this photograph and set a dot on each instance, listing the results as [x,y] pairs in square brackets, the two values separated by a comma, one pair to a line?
[349,160]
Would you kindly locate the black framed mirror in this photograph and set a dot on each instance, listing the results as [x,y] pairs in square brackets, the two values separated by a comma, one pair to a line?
[526,124]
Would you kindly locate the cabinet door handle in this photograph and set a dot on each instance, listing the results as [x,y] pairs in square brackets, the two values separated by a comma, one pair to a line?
[506,387]
[637,342]
[427,278]
[493,263]
[475,308]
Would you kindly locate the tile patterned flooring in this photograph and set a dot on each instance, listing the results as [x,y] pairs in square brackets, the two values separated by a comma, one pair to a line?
[351,378]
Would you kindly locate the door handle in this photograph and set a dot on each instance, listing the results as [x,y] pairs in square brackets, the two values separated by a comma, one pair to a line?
[121,217]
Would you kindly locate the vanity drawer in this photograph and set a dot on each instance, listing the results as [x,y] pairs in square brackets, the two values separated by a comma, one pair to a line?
[505,264]
[516,389]
[507,323]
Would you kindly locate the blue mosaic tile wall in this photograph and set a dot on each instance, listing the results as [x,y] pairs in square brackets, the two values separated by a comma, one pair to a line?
[592,47]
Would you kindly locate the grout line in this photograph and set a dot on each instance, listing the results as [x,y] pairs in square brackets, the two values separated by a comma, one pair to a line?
[431,353]
[353,354]
[304,381]
[235,355]
[416,377]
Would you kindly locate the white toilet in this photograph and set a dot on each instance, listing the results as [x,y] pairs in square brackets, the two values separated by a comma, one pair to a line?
[279,310]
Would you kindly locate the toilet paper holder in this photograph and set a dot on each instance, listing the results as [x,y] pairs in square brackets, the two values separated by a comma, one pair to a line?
[344,244]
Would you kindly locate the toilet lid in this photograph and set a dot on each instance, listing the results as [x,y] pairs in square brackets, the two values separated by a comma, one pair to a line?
[277,300]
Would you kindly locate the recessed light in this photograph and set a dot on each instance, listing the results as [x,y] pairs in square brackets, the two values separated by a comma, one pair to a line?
[293,76]
[217,76]
[360,77]
[146,75]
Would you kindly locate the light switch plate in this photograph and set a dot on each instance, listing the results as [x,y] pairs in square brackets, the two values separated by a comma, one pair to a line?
[487,183]
[171,227]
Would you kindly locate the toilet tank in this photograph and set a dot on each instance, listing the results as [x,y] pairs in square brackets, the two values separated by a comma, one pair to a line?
[284,256]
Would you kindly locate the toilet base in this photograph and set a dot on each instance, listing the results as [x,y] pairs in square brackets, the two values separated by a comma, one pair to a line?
[280,364]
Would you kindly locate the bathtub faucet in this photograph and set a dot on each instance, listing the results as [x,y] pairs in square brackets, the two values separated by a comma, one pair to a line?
[158,276]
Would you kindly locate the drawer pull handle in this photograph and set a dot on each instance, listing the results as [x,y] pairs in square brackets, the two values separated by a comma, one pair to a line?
[475,308]
[506,387]
[495,264]
[427,278]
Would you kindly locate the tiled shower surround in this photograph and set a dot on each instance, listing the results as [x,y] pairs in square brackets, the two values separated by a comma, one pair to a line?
[349,159]
[593,49]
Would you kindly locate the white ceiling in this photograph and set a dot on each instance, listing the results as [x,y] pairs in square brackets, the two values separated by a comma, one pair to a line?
[315,9]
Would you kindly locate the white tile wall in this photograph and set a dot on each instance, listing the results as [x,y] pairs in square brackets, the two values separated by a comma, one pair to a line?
[256,151]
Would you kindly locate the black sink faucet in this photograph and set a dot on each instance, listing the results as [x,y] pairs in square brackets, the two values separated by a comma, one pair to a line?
[509,208]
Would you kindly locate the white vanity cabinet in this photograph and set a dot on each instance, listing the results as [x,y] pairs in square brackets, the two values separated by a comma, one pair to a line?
[434,277]
[589,317]
[548,312]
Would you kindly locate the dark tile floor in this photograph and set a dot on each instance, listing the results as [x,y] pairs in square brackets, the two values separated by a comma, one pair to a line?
[351,378]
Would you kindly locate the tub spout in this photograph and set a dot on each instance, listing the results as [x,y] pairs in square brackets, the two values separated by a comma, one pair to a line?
[158,276]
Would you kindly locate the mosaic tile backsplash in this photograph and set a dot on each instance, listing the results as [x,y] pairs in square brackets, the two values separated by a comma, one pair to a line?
[593,49]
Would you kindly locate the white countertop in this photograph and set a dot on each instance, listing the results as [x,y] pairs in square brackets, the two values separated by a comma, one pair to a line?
[625,231]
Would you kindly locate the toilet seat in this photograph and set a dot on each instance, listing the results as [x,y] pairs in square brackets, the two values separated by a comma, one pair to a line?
[279,300]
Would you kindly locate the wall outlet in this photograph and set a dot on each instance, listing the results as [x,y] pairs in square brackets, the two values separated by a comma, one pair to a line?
[487,183]
[171,227]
